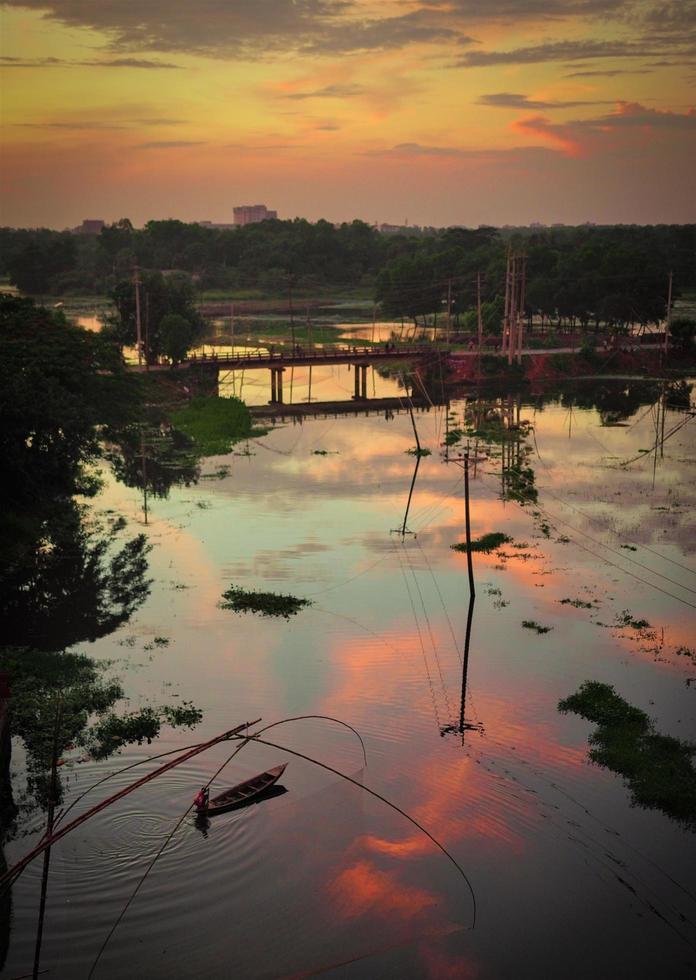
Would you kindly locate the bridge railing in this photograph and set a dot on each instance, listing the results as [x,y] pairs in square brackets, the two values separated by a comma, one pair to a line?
[317,353]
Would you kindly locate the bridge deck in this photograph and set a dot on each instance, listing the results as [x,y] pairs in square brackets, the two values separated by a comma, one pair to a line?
[355,406]
[298,358]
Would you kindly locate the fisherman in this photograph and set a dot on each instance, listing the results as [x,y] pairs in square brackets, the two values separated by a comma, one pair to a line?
[201,801]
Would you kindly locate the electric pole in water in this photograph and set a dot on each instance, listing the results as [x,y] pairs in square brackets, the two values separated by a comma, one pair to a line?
[668,320]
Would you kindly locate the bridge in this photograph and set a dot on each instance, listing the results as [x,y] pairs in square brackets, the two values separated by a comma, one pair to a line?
[278,361]
[298,411]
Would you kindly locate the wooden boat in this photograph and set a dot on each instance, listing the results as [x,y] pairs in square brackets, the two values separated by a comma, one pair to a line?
[244,792]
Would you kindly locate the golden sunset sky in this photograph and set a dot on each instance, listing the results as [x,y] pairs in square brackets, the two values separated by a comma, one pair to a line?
[436,111]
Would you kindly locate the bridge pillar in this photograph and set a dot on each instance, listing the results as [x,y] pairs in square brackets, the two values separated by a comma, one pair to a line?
[363,370]
[277,385]
[356,395]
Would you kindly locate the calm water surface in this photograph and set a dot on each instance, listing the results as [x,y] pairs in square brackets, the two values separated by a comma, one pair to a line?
[570,879]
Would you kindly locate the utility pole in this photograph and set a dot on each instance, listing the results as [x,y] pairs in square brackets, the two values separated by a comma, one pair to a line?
[479,320]
[138,332]
[506,314]
[520,321]
[449,309]
[512,311]
[467,519]
[147,331]
[668,320]
[52,800]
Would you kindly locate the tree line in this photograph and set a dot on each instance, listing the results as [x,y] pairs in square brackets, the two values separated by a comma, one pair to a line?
[575,276]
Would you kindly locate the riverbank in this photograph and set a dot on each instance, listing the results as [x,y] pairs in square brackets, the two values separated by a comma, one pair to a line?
[539,366]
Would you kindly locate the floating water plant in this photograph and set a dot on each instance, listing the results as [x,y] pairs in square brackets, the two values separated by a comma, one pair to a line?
[658,769]
[530,624]
[418,452]
[626,619]
[577,603]
[263,603]
[214,423]
[486,543]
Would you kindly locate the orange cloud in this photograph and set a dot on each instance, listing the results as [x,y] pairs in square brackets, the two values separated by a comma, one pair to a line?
[364,890]
[554,133]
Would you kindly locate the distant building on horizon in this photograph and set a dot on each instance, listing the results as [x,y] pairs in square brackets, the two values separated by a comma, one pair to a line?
[251,214]
[89,226]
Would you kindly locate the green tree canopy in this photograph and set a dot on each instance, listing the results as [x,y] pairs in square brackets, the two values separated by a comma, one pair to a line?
[160,297]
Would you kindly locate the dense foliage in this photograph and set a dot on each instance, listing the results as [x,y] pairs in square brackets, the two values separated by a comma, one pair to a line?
[582,276]
[169,321]
[57,384]
[274,256]
[67,577]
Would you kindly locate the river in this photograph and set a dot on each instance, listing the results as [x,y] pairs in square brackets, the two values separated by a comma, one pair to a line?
[561,871]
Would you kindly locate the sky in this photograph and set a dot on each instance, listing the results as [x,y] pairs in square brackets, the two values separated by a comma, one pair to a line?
[431,112]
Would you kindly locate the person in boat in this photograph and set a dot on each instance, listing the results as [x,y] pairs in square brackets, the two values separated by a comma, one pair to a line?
[201,801]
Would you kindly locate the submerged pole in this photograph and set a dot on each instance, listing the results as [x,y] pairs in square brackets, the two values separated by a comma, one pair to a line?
[49,830]
[469,560]
[465,665]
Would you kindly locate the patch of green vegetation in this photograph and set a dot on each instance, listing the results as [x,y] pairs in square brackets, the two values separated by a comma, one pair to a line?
[219,474]
[214,424]
[486,543]
[626,619]
[264,603]
[184,715]
[628,547]
[418,452]
[658,769]
[578,603]
[530,624]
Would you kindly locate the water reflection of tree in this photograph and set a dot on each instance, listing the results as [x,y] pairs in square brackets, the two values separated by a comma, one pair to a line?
[74,584]
[153,458]
[65,579]
[618,400]
[494,425]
